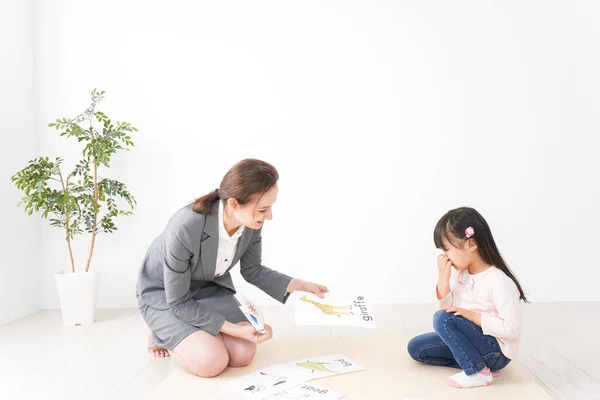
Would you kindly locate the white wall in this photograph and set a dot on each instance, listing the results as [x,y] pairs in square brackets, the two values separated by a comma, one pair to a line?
[20,234]
[380,116]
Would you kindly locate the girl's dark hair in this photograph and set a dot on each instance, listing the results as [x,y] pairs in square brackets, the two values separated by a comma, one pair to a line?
[245,181]
[452,227]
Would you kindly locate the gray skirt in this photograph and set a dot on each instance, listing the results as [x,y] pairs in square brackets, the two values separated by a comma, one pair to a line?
[168,330]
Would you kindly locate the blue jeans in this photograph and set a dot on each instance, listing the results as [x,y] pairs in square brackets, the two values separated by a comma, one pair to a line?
[457,343]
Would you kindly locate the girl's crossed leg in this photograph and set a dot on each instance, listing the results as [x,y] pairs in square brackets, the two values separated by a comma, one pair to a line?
[459,343]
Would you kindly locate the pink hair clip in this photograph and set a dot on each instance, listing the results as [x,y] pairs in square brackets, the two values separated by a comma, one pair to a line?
[469,232]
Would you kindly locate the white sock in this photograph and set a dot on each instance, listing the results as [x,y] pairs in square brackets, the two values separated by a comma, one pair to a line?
[462,380]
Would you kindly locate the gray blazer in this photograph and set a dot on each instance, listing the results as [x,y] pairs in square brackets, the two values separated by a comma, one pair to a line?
[183,258]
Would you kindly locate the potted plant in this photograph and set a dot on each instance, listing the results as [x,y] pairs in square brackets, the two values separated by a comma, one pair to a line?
[80,201]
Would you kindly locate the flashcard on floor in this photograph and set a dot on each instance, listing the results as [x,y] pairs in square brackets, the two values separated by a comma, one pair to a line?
[334,310]
[310,368]
[306,391]
[283,377]
[261,384]
[323,366]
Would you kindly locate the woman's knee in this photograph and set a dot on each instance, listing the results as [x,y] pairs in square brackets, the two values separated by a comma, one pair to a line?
[202,354]
[241,352]
[206,366]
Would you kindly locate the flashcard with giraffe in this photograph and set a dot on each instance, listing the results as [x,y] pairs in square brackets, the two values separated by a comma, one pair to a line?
[334,310]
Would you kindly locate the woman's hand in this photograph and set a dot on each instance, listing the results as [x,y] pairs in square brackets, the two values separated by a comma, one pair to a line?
[298,285]
[249,333]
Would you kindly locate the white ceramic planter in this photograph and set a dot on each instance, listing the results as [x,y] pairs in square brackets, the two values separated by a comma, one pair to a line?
[77,293]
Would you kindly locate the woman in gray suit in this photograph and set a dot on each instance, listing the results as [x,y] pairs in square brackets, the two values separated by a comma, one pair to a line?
[184,290]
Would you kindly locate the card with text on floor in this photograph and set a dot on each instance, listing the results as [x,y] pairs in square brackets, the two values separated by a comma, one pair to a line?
[335,309]
[306,391]
[278,381]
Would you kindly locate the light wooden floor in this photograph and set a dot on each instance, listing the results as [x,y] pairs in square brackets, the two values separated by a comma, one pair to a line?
[40,359]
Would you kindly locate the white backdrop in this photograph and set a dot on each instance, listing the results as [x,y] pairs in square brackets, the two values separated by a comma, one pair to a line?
[20,235]
[380,116]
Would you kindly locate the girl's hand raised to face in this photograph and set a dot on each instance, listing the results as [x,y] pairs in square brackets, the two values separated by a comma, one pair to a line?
[444,267]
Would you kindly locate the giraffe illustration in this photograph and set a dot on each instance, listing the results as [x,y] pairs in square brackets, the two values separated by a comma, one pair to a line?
[328,309]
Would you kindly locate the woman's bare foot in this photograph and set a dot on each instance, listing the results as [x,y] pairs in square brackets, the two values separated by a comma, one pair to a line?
[155,351]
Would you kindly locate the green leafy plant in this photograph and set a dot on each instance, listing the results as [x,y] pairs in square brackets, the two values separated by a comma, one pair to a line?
[80,201]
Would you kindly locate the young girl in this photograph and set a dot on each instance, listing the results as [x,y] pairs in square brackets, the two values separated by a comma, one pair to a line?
[478,326]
